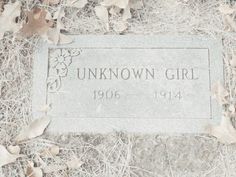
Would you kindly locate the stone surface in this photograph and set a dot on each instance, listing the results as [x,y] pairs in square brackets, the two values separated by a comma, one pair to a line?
[131,83]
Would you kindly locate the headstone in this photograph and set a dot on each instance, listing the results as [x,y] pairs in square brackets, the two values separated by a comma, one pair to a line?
[129,83]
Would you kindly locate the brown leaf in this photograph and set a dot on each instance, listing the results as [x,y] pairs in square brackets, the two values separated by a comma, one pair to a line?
[225,132]
[35,129]
[51,151]
[119,3]
[8,18]
[14,149]
[51,2]
[32,171]
[102,14]
[220,93]
[74,163]
[37,23]
[227,9]
[6,157]
[77,3]
[1,6]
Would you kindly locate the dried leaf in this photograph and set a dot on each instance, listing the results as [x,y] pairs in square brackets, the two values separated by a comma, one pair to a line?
[37,23]
[32,171]
[136,4]
[45,108]
[1,6]
[126,14]
[114,10]
[14,149]
[51,2]
[54,35]
[233,60]
[6,157]
[52,151]
[230,21]
[74,163]
[120,26]
[102,14]
[8,18]
[226,9]
[35,129]
[64,39]
[77,3]
[220,93]
[53,168]
[119,3]
[225,132]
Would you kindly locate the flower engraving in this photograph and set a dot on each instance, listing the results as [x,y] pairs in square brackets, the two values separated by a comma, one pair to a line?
[59,61]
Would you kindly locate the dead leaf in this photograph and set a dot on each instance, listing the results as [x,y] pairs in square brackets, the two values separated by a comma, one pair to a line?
[77,3]
[14,149]
[226,9]
[74,163]
[53,168]
[45,108]
[220,93]
[51,2]
[33,130]
[6,157]
[102,14]
[52,151]
[119,3]
[230,21]
[126,13]
[136,4]
[233,60]
[8,18]
[120,26]
[114,10]
[1,6]
[225,132]
[54,35]
[32,171]
[37,23]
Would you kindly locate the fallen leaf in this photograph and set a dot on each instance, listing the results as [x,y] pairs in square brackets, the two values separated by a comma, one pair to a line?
[13,149]
[119,3]
[53,168]
[232,109]
[8,18]
[6,157]
[37,23]
[233,60]
[226,9]
[114,10]
[52,151]
[225,132]
[51,2]
[32,171]
[35,129]
[102,14]
[74,163]
[220,93]
[230,21]
[120,26]
[1,6]
[77,3]
[54,35]
[45,108]
[126,13]
[136,4]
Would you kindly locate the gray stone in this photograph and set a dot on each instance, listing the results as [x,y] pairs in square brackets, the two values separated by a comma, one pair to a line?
[129,83]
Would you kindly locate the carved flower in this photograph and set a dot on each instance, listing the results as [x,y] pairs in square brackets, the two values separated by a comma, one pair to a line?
[60,60]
